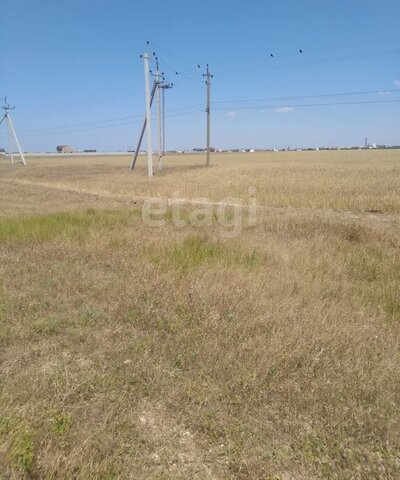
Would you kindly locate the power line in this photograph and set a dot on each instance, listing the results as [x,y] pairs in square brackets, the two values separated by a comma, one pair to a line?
[62,132]
[178,72]
[61,127]
[313,62]
[342,94]
[38,134]
[302,50]
[198,110]
[311,104]
[359,44]
[244,101]
[183,109]
[277,56]
[275,53]
[111,96]
[191,77]
[208,76]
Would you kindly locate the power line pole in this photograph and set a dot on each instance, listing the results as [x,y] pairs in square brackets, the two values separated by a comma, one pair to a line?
[164,86]
[159,129]
[11,132]
[133,163]
[148,114]
[163,119]
[10,145]
[159,83]
[208,78]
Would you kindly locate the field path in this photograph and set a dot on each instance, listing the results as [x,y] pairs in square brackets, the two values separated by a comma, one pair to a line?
[73,197]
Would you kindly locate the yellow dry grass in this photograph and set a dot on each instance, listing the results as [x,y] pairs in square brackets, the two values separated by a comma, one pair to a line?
[129,351]
[339,180]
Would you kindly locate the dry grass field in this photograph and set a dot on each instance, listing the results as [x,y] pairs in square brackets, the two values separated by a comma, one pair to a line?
[339,180]
[137,352]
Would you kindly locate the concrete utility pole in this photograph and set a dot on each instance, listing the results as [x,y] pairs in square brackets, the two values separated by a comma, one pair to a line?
[208,78]
[159,126]
[164,86]
[148,114]
[11,132]
[10,145]
[133,163]
[163,119]
[158,84]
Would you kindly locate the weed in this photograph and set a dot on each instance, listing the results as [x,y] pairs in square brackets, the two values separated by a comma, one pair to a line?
[23,451]
[61,422]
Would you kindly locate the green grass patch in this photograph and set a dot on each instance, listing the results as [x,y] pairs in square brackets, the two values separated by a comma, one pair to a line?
[391,303]
[61,422]
[198,250]
[5,425]
[368,264]
[69,225]
[23,451]
[46,326]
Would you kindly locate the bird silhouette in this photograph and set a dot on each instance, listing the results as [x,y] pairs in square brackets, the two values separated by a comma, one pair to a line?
[300,51]
[271,54]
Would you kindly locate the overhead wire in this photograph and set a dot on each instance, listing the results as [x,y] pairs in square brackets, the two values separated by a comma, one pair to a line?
[321,95]
[194,110]
[278,66]
[189,76]
[62,128]
[219,105]
[294,105]
[275,53]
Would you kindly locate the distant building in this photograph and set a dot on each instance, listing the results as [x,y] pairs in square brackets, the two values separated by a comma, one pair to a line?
[2,151]
[65,149]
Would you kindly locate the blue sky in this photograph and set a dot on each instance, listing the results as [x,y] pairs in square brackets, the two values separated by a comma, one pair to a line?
[73,70]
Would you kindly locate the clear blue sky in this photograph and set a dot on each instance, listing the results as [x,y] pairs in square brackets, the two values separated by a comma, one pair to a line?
[72,67]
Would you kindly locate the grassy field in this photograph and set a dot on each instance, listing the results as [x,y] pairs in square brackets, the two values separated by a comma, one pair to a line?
[339,180]
[135,352]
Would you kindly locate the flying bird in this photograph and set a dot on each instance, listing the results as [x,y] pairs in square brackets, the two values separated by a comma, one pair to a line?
[271,54]
[300,51]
